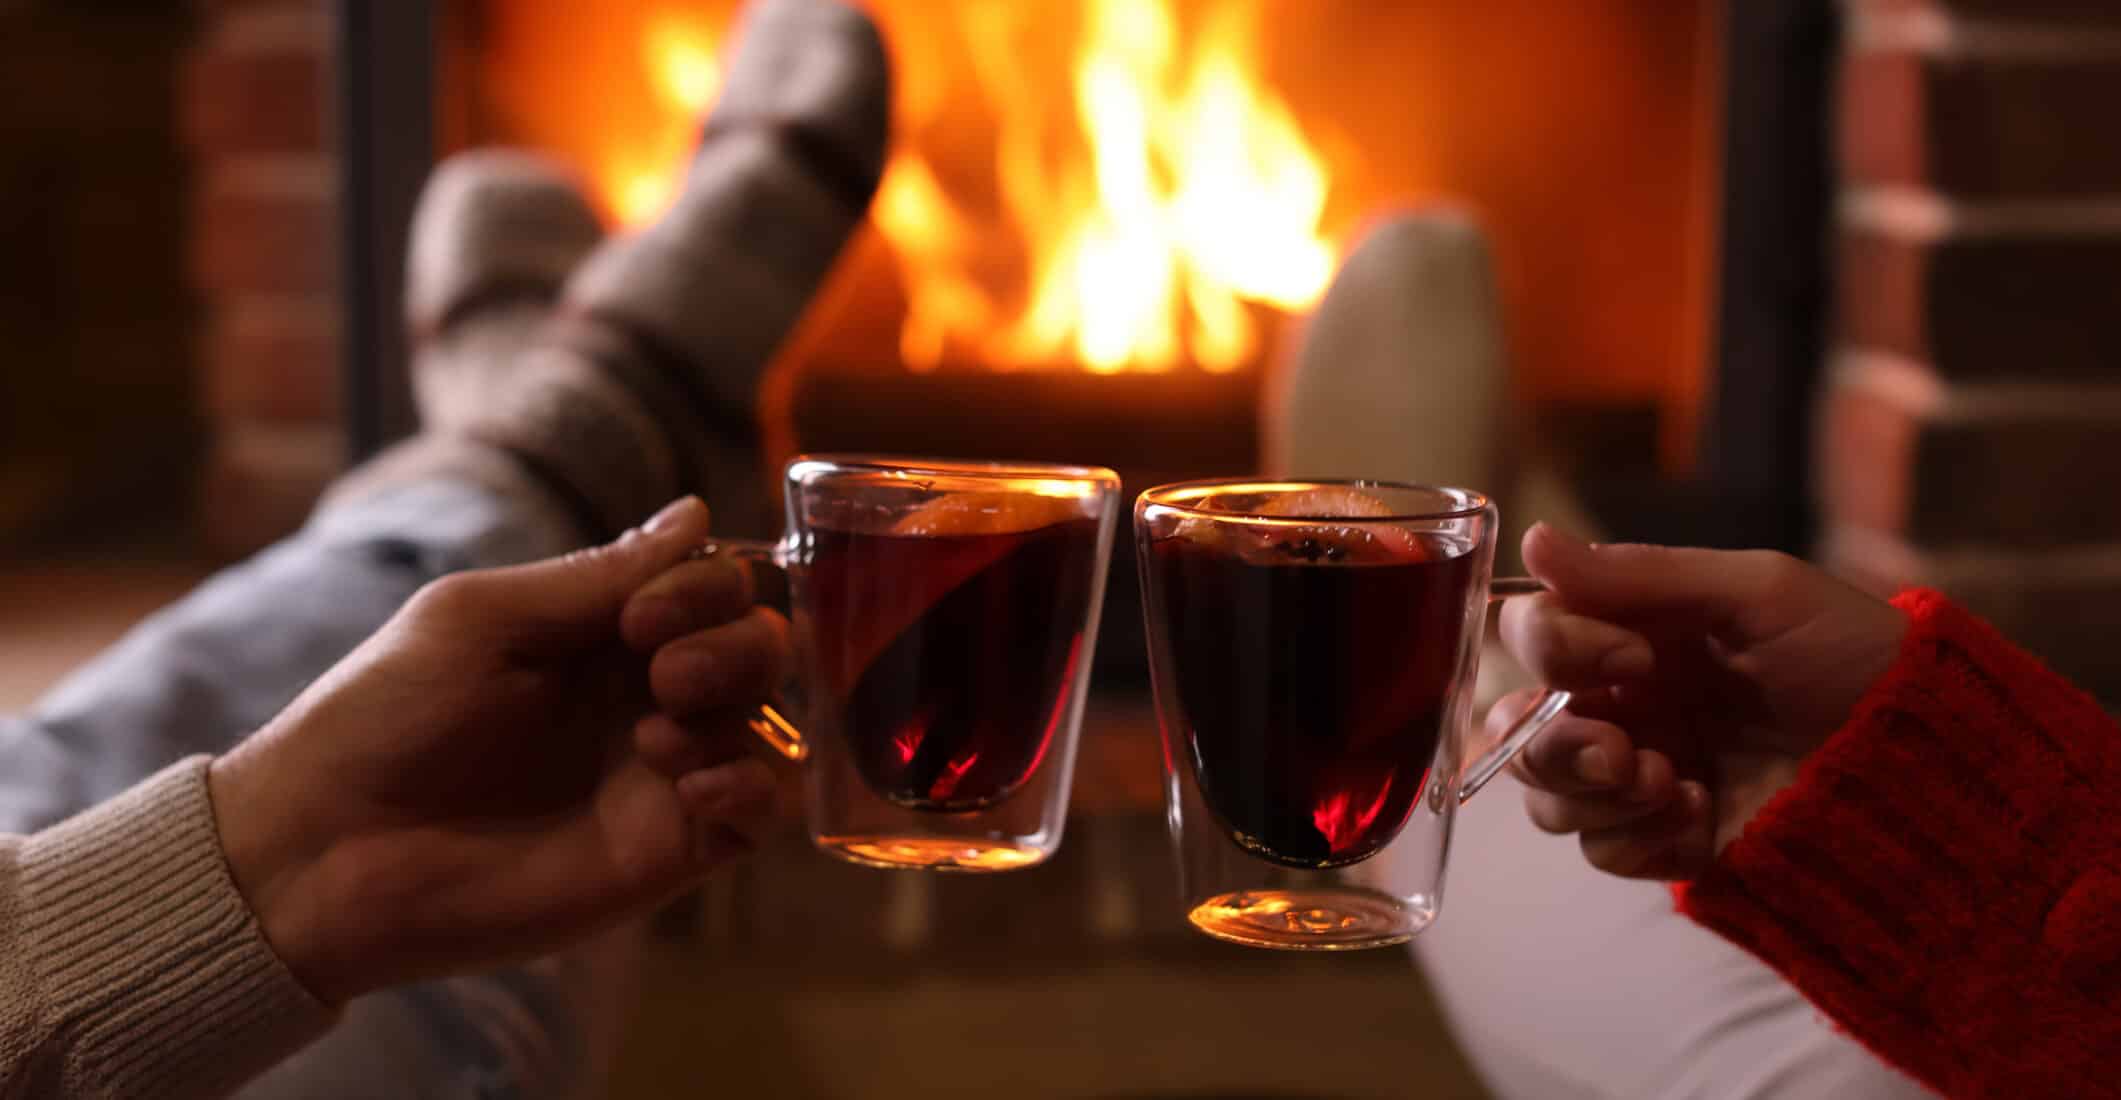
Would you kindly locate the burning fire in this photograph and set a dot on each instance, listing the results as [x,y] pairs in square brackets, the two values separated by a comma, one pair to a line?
[1143,205]
[1198,193]
[682,60]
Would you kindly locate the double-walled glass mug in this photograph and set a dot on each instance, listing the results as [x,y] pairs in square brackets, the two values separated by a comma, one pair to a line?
[945,614]
[1313,646]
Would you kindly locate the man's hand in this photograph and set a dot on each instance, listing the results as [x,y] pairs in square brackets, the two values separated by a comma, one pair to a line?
[462,789]
[1702,677]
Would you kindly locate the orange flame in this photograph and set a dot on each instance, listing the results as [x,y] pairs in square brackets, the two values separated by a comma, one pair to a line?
[679,55]
[1144,203]
[1198,193]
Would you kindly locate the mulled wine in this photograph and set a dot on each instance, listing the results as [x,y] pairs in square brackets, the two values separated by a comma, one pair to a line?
[948,661]
[1313,670]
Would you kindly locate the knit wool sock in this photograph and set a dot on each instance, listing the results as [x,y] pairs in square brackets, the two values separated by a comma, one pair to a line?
[688,312]
[645,383]
[494,238]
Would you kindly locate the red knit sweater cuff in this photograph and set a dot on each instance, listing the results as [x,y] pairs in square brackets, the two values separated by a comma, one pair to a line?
[1933,878]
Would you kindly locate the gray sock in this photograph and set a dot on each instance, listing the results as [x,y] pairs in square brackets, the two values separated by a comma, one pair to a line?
[690,310]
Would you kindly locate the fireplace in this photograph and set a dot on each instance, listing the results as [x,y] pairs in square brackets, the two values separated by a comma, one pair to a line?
[1659,221]
[1102,224]
[1126,208]
[1152,185]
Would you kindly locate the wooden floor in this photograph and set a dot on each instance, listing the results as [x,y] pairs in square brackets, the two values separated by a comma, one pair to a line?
[55,616]
[795,976]
[1248,1024]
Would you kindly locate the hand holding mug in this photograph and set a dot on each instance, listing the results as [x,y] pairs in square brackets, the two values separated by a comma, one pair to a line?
[947,613]
[1313,646]
[460,790]
[1701,680]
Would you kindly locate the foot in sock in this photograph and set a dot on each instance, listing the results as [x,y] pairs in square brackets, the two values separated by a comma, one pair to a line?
[495,236]
[787,163]
[645,384]
[689,311]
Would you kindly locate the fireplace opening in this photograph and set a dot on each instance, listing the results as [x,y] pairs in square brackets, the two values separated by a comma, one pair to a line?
[1126,188]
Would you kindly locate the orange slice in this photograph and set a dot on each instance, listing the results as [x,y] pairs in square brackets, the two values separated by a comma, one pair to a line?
[987,512]
[1334,501]
[1371,543]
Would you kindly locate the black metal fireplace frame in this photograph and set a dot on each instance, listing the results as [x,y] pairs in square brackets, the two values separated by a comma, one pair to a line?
[1773,261]
[385,82]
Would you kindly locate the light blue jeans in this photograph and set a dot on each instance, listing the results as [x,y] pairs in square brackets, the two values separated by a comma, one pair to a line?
[203,673]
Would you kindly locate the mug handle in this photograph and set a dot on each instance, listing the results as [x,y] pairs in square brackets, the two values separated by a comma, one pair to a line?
[769,723]
[1542,713]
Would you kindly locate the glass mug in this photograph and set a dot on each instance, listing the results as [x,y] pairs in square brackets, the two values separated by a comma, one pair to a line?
[945,614]
[1313,645]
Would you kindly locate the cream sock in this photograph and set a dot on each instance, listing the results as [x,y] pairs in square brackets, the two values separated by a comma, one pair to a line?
[494,238]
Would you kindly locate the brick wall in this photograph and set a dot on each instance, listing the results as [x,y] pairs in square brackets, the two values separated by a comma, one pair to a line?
[255,110]
[1971,429]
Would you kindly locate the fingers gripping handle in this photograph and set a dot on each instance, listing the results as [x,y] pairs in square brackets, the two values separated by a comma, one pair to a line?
[1542,713]
[1526,727]
[769,723]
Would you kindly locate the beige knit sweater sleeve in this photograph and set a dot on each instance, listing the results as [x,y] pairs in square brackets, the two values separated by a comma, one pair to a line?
[129,964]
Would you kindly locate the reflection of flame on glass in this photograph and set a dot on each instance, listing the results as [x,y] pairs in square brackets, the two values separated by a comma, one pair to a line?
[679,56]
[943,852]
[1197,195]
[945,784]
[1341,823]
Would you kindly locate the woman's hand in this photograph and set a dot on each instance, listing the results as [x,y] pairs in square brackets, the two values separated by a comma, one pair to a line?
[462,789]
[1702,678]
